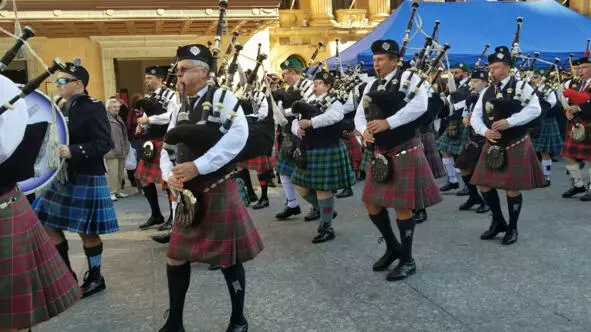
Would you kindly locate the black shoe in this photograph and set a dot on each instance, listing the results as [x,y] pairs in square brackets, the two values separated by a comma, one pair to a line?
[482,208]
[252,197]
[547,184]
[238,328]
[467,205]
[510,237]
[573,191]
[586,197]
[167,225]
[271,184]
[463,192]
[312,215]
[151,222]
[92,284]
[262,203]
[402,271]
[449,186]
[167,326]
[162,238]
[347,192]
[493,231]
[325,234]
[288,212]
[420,216]
[385,261]
[213,267]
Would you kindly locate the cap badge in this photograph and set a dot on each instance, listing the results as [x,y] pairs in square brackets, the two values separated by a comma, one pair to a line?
[325,76]
[194,50]
[386,46]
[153,71]
[286,63]
[73,68]
[500,56]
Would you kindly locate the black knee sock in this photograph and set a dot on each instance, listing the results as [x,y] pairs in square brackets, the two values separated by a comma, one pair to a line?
[152,197]
[179,277]
[169,196]
[245,176]
[472,190]
[236,281]
[492,199]
[62,249]
[264,179]
[93,256]
[407,230]
[514,205]
[382,222]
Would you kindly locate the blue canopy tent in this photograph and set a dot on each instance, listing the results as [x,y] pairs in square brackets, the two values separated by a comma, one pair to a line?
[548,28]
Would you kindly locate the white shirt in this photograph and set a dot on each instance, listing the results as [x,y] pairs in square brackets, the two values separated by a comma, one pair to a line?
[331,116]
[226,149]
[550,97]
[410,112]
[13,122]
[173,103]
[261,107]
[528,113]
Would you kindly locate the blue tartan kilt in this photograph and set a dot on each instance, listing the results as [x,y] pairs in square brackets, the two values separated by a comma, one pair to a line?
[83,205]
[549,140]
[285,165]
[328,169]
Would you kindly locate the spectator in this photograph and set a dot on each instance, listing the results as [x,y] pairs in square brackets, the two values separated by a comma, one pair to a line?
[116,157]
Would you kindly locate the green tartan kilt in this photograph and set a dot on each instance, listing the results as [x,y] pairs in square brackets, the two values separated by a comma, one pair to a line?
[453,146]
[328,169]
[365,159]
[285,164]
[549,140]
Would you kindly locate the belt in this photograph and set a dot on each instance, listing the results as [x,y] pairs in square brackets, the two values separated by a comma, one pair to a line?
[519,141]
[403,152]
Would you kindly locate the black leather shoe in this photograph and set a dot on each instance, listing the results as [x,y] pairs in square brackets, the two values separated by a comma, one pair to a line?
[288,212]
[573,191]
[312,215]
[547,184]
[449,186]
[510,237]
[482,208]
[420,216]
[169,327]
[402,271]
[92,284]
[385,261]
[467,205]
[493,231]
[253,197]
[238,328]
[162,238]
[325,234]
[463,192]
[214,267]
[151,222]
[586,197]
[167,225]
[347,192]
[262,203]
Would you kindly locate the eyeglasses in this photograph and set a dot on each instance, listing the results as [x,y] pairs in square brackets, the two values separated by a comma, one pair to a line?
[64,80]
[182,70]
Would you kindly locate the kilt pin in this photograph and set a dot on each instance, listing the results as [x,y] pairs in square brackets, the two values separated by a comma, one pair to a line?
[411,185]
[35,284]
[328,169]
[576,150]
[453,146]
[149,171]
[549,140]
[432,155]
[522,169]
[226,235]
[354,152]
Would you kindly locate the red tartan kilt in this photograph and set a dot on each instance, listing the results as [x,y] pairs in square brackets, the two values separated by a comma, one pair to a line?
[225,236]
[522,170]
[260,164]
[411,185]
[574,149]
[354,151]
[35,284]
[149,171]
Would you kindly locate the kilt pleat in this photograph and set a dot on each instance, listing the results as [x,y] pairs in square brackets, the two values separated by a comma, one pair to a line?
[522,170]
[549,140]
[35,284]
[285,164]
[259,164]
[365,158]
[328,169]
[455,145]
[354,151]
[576,150]
[432,155]
[149,171]
[226,235]
[411,185]
[81,206]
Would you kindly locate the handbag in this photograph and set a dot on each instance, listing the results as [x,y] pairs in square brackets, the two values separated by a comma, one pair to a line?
[131,159]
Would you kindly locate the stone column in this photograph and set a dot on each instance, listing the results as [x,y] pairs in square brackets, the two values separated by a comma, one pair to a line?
[581,6]
[321,11]
[378,10]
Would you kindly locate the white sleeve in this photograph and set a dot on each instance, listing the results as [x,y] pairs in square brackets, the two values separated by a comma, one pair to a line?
[231,143]
[349,105]
[414,108]
[295,127]
[551,98]
[531,111]
[331,116]
[165,163]
[13,122]
[263,106]
[360,120]
[476,119]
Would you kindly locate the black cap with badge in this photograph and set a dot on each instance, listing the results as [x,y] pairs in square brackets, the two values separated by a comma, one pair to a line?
[156,71]
[194,52]
[75,69]
[325,77]
[479,73]
[386,46]
[501,54]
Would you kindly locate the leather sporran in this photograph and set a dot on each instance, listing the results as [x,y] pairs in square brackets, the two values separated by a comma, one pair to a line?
[578,133]
[300,158]
[495,157]
[148,151]
[381,168]
[186,210]
[288,144]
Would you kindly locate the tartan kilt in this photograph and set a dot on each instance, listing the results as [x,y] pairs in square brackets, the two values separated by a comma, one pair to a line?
[35,284]
[522,169]
[453,146]
[328,169]
[469,155]
[354,152]
[549,140]
[260,164]
[83,205]
[411,185]
[576,150]
[432,155]
[285,164]
[149,171]
[242,190]
[225,236]
[365,159]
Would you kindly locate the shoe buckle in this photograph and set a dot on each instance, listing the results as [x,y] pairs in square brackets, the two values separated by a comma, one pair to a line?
[381,239]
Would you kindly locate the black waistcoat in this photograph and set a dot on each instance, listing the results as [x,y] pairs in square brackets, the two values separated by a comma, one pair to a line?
[324,136]
[511,134]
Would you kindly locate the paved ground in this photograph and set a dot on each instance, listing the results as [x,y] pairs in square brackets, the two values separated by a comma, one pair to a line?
[542,283]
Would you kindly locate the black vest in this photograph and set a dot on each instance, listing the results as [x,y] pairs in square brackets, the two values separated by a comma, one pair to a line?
[511,134]
[324,136]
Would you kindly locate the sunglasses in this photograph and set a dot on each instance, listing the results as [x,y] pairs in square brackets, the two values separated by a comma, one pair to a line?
[64,81]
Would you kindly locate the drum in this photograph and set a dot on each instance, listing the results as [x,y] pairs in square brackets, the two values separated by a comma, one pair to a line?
[40,110]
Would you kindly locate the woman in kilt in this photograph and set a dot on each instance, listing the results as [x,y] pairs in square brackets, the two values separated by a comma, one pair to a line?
[470,153]
[410,184]
[35,283]
[573,150]
[520,169]
[226,235]
[327,166]
[82,204]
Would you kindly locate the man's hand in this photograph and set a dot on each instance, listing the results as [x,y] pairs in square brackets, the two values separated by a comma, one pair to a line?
[185,171]
[377,126]
[174,184]
[492,135]
[466,122]
[500,125]
[569,115]
[305,124]
[368,137]
[301,132]
[143,120]
[64,151]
